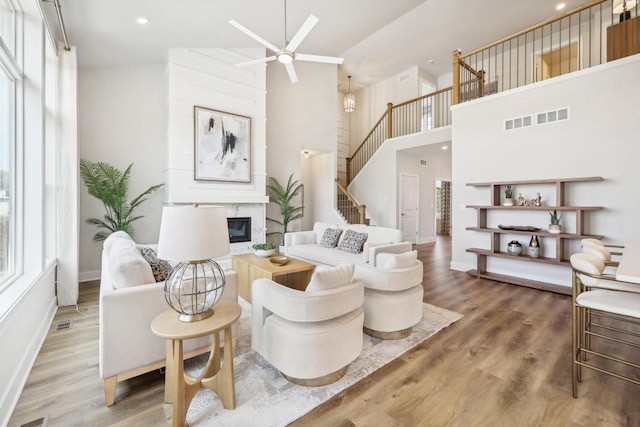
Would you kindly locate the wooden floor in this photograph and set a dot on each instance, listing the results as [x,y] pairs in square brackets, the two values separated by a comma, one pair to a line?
[506,363]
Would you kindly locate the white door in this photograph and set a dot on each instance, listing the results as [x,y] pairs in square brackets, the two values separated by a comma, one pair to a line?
[409,207]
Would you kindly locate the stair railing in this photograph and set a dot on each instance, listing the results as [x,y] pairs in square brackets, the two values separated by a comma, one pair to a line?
[416,115]
[586,36]
[354,210]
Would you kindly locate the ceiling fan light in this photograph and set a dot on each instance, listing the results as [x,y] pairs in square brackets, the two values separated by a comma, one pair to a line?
[284,57]
[349,102]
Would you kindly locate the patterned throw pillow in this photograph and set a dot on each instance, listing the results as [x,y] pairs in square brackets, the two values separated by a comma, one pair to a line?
[160,267]
[352,242]
[330,237]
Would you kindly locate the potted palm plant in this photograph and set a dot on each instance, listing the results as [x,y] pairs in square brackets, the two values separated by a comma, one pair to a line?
[110,185]
[283,197]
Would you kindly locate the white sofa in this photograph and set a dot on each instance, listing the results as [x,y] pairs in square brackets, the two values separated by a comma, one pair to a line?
[390,270]
[129,300]
[310,336]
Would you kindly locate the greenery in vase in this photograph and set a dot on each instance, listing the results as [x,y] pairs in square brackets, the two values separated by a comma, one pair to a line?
[555,218]
[263,246]
[283,196]
[508,191]
[110,185]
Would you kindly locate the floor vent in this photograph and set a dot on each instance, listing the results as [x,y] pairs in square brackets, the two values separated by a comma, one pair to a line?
[63,325]
[40,422]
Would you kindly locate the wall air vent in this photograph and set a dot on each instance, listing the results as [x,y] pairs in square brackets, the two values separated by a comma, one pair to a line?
[520,122]
[404,77]
[423,163]
[552,116]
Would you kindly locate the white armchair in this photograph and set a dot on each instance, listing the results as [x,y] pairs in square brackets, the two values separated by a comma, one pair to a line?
[393,295]
[310,336]
[129,300]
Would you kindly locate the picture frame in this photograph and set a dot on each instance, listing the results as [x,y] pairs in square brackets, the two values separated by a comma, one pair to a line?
[222,146]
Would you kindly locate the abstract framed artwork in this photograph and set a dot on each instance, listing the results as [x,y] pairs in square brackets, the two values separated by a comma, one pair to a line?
[222,146]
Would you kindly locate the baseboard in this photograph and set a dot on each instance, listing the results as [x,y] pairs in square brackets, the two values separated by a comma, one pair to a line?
[17,382]
[461,266]
[87,276]
[428,239]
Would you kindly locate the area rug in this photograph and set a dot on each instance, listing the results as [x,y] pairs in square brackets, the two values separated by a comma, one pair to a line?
[265,398]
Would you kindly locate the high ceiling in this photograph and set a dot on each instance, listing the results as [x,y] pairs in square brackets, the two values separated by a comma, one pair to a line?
[377,38]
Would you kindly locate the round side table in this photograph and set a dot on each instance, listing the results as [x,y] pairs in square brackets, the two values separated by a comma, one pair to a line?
[180,387]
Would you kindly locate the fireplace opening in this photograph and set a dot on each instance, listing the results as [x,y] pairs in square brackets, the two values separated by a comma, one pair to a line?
[239,229]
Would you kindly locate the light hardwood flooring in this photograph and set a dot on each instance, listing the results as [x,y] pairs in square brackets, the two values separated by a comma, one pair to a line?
[506,363]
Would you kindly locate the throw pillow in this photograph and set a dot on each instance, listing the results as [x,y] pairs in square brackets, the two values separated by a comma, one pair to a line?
[330,277]
[330,237]
[404,260]
[159,267]
[352,242]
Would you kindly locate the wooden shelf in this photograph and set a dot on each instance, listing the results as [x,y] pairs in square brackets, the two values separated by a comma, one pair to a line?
[551,287]
[536,181]
[537,233]
[496,242]
[538,208]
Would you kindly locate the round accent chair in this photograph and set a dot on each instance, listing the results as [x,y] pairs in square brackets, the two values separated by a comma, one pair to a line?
[392,295]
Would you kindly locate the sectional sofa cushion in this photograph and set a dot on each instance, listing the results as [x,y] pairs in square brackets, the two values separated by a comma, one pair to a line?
[352,241]
[404,260]
[330,237]
[330,277]
[128,267]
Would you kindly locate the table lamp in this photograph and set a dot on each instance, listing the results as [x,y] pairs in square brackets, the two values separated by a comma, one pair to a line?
[191,236]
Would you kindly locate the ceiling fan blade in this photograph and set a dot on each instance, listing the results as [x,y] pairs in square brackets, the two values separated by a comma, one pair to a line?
[302,33]
[254,35]
[256,61]
[319,58]
[292,72]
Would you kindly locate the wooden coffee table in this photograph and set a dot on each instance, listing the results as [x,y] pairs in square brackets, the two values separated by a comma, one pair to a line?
[294,274]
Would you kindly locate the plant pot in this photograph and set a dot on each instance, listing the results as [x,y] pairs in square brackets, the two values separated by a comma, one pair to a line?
[263,253]
[508,202]
[555,228]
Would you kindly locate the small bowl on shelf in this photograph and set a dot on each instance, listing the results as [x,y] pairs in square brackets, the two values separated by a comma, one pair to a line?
[279,260]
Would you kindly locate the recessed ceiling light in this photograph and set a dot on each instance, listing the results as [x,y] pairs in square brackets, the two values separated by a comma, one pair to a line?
[142,20]
[560,6]
[430,61]
[444,147]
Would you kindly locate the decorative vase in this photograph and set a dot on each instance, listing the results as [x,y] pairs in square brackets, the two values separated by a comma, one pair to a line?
[514,248]
[534,247]
[555,228]
[508,202]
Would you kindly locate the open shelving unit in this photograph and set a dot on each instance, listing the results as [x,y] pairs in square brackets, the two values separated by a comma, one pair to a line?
[495,246]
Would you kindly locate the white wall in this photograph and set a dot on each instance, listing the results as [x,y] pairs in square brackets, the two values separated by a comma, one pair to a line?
[300,116]
[209,78]
[122,120]
[376,186]
[371,102]
[599,139]
[438,166]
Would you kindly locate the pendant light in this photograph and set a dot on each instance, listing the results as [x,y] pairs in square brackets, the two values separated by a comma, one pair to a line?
[349,100]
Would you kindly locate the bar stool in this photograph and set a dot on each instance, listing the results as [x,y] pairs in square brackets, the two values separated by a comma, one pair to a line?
[595,294]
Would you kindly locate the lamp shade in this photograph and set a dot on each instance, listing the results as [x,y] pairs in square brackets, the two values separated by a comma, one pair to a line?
[618,5]
[192,233]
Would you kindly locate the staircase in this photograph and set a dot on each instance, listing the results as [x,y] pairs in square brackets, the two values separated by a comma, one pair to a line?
[351,211]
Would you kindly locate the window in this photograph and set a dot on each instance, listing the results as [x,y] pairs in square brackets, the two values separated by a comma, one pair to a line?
[7,25]
[6,175]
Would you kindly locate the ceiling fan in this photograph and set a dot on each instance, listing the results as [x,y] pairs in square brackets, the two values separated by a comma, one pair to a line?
[287,54]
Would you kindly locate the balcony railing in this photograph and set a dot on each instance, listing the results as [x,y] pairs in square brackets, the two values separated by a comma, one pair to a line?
[416,115]
[581,38]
